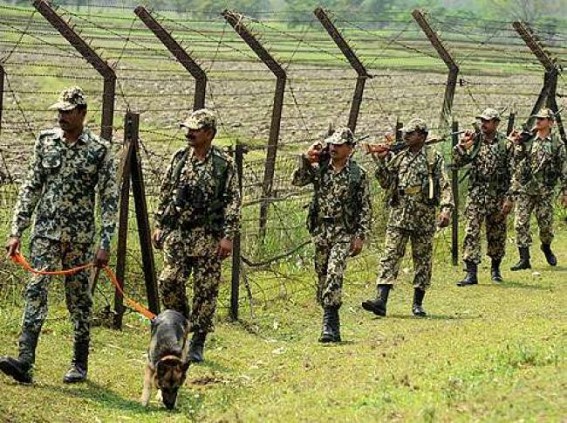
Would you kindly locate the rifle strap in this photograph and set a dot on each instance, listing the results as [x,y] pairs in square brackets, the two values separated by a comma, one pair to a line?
[177,171]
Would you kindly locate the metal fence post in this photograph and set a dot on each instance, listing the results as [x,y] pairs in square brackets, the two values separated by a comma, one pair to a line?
[132,173]
[236,21]
[109,90]
[455,188]
[179,53]
[443,53]
[354,61]
[547,95]
[239,152]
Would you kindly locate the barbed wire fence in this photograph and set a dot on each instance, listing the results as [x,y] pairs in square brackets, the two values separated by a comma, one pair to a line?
[275,90]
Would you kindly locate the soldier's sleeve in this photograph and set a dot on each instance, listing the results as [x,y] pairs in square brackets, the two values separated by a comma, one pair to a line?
[562,164]
[363,229]
[29,195]
[510,163]
[460,156]
[446,201]
[108,198]
[518,160]
[232,208]
[303,174]
[165,191]
[384,171]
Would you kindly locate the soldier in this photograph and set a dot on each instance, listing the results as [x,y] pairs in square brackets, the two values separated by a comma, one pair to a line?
[539,165]
[197,217]
[489,155]
[338,220]
[417,184]
[70,165]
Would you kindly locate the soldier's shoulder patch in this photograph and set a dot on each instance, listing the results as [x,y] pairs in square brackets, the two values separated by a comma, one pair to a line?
[49,133]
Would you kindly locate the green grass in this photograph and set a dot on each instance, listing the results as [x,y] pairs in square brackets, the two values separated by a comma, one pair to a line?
[486,353]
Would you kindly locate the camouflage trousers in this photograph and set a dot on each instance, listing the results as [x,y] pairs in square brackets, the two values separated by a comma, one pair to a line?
[330,266]
[543,208]
[206,270]
[394,251]
[47,254]
[485,210]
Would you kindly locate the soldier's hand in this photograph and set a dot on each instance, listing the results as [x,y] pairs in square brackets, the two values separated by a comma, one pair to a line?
[157,239]
[356,246]
[225,248]
[444,219]
[467,140]
[515,136]
[101,258]
[12,246]
[382,151]
[313,152]
[507,207]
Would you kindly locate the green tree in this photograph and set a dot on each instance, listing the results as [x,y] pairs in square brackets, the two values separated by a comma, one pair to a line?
[525,10]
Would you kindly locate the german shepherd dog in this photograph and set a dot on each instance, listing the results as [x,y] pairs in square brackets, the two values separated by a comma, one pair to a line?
[167,363]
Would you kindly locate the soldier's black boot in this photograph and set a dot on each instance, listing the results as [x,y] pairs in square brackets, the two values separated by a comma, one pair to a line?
[21,368]
[197,347]
[549,256]
[524,262]
[495,271]
[417,307]
[378,306]
[331,331]
[80,364]
[471,276]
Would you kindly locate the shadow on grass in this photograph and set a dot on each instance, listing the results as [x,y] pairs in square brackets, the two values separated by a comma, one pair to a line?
[94,392]
[429,317]
[212,365]
[515,284]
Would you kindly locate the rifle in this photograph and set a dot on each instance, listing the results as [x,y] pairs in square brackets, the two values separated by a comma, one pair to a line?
[322,148]
[396,146]
[520,137]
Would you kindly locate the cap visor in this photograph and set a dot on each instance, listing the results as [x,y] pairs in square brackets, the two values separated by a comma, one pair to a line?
[62,106]
[189,126]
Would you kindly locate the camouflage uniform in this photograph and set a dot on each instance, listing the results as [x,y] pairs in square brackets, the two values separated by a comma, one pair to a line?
[197,210]
[340,211]
[60,188]
[491,164]
[412,212]
[540,164]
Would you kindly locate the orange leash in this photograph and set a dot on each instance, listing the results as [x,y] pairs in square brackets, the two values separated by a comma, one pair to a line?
[18,258]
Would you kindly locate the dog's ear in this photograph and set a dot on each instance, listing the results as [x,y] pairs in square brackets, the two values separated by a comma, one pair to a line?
[161,368]
[185,366]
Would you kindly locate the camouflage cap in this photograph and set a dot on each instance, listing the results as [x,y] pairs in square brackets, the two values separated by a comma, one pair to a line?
[415,124]
[489,114]
[70,98]
[341,135]
[202,118]
[545,114]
